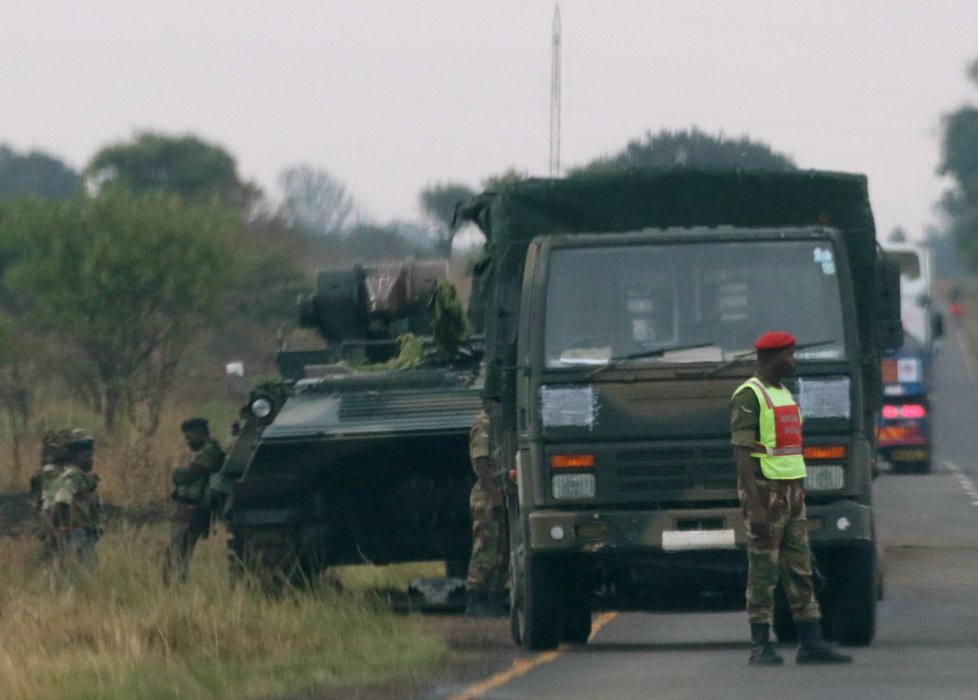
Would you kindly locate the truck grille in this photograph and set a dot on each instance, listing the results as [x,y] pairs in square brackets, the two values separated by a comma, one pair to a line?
[669,473]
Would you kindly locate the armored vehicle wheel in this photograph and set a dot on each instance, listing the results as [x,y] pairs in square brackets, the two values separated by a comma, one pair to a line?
[535,612]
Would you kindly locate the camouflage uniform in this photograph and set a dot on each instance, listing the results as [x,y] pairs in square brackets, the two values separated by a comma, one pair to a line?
[785,554]
[489,565]
[191,515]
[53,459]
[79,532]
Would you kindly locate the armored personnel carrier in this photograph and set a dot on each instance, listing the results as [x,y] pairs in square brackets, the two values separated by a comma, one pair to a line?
[360,453]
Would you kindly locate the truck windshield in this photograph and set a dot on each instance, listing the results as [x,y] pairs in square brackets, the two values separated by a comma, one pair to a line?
[698,302]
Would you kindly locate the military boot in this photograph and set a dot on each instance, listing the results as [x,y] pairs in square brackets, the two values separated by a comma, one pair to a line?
[761,651]
[813,649]
[477,604]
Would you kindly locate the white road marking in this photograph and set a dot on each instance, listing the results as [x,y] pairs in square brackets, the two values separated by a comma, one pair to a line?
[967,485]
[969,361]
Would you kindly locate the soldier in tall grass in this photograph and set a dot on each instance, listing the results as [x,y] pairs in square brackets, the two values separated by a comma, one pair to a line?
[190,520]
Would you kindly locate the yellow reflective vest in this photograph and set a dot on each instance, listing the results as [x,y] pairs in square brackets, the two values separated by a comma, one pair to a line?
[779,446]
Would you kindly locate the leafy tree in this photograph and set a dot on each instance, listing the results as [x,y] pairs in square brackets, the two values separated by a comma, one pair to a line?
[128,279]
[509,176]
[35,173]
[315,202]
[959,160]
[438,203]
[193,169]
[693,148]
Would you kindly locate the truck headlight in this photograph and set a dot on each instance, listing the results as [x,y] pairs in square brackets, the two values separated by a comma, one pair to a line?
[825,477]
[573,486]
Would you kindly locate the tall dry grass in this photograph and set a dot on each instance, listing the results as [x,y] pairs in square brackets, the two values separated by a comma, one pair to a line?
[117,632]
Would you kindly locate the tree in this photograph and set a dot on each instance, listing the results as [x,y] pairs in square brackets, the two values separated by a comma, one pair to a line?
[369,243]
[315,202]
[193,169]
[127,279]
[694,148]
[438,203]
[959,160]
[35,173]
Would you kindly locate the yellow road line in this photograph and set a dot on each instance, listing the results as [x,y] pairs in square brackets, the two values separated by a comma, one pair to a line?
[521,667]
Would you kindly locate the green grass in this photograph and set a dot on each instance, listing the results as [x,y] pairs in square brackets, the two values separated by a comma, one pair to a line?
[120,633]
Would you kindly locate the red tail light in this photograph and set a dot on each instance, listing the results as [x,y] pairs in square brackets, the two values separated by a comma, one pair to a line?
[908,410]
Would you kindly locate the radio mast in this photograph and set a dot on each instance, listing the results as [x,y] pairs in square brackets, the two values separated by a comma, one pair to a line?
[555,98]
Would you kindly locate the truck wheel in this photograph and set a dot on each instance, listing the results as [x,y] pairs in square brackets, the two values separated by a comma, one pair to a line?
[535,613]
[922,467]
[854,597]
[575,614]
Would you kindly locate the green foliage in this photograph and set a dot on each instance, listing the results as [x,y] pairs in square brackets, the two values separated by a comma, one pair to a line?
[694,148]
[183,165]
[127,278]
[451,322]
[35,174]
[959,160]
[369,243]
[505,178]
[438,203]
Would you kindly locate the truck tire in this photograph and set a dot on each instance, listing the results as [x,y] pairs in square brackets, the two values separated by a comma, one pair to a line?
[855,586]
[575,614]
[535,611]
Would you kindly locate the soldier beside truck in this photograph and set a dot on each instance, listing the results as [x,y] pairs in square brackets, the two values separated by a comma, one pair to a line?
[617,314]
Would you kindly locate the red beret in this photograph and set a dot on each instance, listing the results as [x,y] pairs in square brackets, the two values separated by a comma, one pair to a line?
[775,340]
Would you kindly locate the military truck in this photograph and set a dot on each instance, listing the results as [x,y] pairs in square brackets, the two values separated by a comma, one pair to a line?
[619,313]
[357,456]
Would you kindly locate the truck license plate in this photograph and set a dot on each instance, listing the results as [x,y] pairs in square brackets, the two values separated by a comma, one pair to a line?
[682,540]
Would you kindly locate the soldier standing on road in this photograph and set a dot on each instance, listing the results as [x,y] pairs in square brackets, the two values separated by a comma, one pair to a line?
[489,565]
[73,502]
[765,428]
[191,517]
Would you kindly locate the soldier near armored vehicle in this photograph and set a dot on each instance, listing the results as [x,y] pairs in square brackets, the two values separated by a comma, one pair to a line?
[489,566]
[72,503]
[191,516]
[765,428]
[53,461]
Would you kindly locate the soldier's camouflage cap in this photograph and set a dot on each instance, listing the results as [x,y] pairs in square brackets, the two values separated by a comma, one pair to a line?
[53,444]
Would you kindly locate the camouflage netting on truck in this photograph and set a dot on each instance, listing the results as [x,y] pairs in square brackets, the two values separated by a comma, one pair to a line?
[513,215]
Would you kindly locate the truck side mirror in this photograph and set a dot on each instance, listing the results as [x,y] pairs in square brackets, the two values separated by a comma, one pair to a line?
[889,328]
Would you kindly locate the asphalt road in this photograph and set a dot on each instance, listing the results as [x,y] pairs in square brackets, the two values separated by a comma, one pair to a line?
[927,636]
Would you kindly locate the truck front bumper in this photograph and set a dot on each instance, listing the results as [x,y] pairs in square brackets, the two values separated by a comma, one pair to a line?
[643,532]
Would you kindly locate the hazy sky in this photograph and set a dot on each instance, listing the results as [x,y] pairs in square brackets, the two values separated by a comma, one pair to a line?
[392,96]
